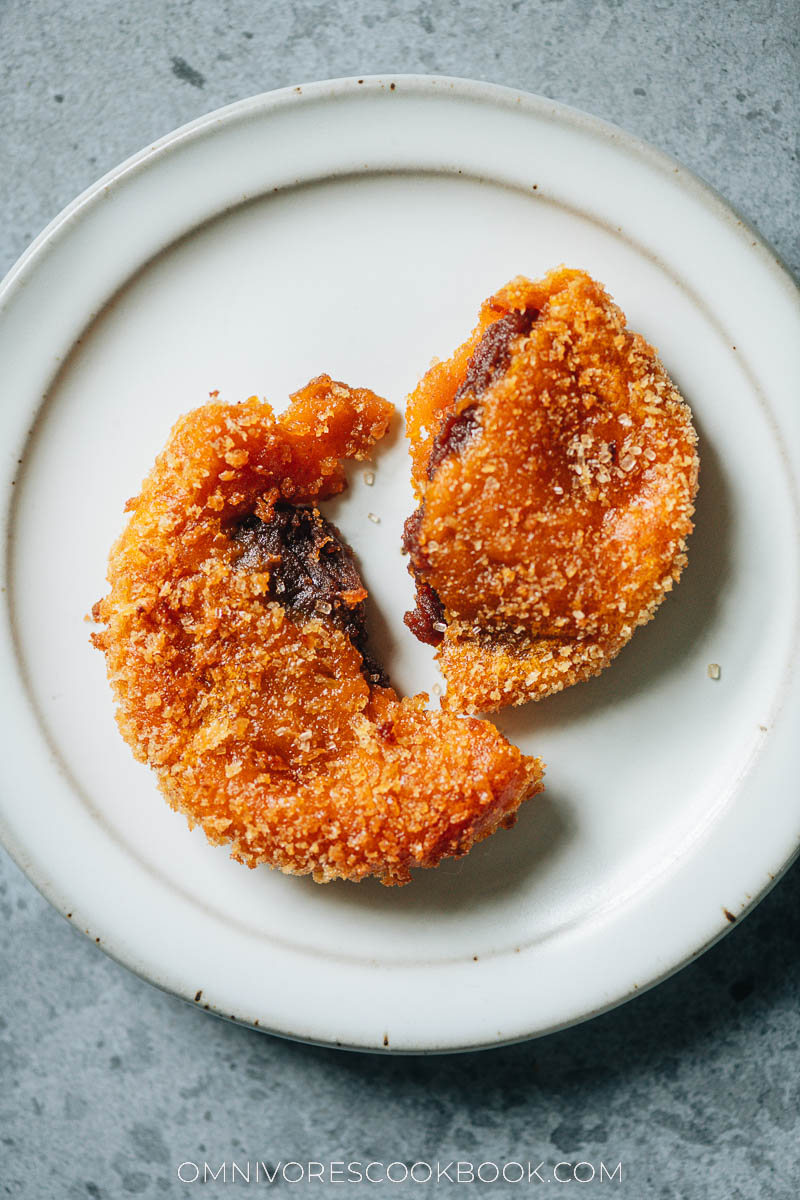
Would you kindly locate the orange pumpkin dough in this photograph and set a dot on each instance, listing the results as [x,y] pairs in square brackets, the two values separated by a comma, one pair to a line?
[235,648]
[555,464]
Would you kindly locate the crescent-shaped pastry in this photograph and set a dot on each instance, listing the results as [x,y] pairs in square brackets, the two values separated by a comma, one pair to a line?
[236,650]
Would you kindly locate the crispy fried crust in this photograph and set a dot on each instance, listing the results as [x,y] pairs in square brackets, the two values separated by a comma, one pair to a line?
[556,468]
[256,717]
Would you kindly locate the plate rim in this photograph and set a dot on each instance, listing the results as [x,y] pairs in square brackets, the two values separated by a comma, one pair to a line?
[431,86]
[466,87]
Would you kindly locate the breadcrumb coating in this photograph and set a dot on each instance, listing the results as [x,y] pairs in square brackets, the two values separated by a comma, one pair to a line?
[556,466]
[257,717]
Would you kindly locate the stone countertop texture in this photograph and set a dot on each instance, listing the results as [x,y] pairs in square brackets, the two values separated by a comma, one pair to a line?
[106,1084]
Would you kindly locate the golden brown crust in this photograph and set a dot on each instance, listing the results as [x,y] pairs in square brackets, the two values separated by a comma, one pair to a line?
[558,526]
[259,722]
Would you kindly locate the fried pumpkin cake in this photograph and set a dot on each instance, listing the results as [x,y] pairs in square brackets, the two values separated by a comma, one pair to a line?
[555,466]
[236,650]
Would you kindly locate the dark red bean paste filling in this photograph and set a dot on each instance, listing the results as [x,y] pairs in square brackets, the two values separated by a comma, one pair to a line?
[455,432]
[429,610]
[311,568]
[490,360]
[426,615]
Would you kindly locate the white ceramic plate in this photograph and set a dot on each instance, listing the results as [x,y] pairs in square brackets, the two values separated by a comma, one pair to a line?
[354,227]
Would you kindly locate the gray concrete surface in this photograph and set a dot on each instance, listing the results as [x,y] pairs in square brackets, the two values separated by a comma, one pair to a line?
[106,1085]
